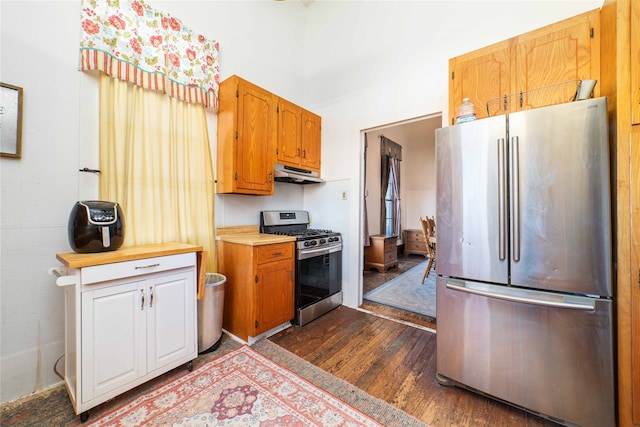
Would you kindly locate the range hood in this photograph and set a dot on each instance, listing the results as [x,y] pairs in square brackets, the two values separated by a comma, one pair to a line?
[295,175]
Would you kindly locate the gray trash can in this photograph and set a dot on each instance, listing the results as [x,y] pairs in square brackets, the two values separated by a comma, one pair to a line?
[210,309]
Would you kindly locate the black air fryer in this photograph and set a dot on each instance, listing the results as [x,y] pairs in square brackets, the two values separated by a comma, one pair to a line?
[96,226]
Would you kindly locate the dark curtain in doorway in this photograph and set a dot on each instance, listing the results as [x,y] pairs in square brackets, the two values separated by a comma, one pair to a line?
[390,158]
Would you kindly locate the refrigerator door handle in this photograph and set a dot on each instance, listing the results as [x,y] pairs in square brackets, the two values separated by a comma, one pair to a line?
[524,296]
[515,197]
[502,200]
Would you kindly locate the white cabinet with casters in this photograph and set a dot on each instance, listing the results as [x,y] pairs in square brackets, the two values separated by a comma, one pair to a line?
[130,315]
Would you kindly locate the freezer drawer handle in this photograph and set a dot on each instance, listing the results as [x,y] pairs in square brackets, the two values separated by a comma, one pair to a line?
[591,306]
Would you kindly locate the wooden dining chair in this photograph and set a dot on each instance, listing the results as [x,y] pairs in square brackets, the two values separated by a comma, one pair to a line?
[431,256]
[431,223]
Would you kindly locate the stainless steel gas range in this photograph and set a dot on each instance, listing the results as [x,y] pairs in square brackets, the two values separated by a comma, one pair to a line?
[318,284]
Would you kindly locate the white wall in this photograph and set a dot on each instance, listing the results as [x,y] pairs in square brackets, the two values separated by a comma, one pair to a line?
[369,63]
[261,41]
[357,64]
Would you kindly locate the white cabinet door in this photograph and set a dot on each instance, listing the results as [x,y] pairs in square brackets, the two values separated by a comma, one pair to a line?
[113,338]
[132,329]
[171,331]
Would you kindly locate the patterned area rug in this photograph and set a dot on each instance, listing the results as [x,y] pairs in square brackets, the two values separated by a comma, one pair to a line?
[406,292]
[241,388]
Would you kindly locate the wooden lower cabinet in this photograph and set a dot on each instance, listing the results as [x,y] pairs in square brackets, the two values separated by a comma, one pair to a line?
[382,253]
[259,293]
[635,272]
[414,243]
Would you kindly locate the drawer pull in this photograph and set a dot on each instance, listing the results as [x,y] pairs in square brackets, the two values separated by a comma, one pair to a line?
[276,254]
[147,266]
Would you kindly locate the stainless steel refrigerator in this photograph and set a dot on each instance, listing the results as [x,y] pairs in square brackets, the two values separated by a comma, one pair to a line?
[524,269]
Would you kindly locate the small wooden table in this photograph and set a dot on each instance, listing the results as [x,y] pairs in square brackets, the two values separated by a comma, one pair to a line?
[382,253]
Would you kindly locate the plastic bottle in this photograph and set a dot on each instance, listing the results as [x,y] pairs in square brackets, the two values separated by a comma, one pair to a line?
[465,111]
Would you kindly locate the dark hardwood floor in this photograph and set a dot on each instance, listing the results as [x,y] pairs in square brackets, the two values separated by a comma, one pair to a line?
[395,362]
[391,354]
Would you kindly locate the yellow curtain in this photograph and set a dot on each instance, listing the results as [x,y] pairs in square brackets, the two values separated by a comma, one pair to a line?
[155,161]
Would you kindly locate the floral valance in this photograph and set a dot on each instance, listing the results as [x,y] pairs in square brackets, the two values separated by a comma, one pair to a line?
[131,41]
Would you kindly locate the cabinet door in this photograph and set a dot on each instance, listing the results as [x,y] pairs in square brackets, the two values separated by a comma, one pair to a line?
[311,140]
[256,134]
[559,53]
[481,76]
[635,272]
[171,318]
[635,66]
[289,133]
[113,338]
[273,295]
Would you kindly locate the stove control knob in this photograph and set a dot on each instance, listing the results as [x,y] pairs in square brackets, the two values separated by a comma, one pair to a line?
[307,243]
[323,241]
[314,242]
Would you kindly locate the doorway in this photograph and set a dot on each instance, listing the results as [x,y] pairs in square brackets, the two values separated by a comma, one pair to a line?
[417,198]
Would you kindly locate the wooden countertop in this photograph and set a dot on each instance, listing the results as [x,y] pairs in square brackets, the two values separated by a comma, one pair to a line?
[254,239]
[249,235]
[78,260]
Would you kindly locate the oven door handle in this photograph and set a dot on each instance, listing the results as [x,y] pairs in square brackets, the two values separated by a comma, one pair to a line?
[310,253]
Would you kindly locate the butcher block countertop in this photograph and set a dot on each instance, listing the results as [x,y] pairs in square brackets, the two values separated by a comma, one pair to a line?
[77,260]
[249,235]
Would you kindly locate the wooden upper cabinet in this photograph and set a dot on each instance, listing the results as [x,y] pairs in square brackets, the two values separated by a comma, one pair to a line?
[311,141]
[298,137]
[555,55]
[247,131]
[481,75]
[635,63]
[289,133]
[566,51]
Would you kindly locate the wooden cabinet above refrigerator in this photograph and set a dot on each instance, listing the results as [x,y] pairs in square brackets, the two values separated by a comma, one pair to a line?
[565,51]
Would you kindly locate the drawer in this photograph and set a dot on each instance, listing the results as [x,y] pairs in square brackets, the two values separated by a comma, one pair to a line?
[390,257]
[270,253]
[139,267]
[390,246]
[413,236]
[415,246]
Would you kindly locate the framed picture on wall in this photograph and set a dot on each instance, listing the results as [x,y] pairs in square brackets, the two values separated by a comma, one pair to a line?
[10,121]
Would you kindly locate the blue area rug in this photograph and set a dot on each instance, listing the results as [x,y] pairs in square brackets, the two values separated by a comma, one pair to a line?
[407,293]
